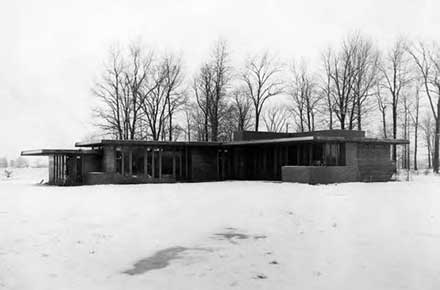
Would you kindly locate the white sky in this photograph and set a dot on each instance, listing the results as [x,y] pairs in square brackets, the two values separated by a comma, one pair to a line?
[52,50]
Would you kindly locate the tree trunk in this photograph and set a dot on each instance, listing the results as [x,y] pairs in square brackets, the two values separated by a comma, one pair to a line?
[359,117]
[435,160]
[384,123]
[257,120]
[394,155]
[416,127]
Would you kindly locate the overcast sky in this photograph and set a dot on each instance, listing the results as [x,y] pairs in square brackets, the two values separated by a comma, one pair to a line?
[51,51]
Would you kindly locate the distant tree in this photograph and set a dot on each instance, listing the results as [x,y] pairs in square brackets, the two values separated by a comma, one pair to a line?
[3,162]
[414,114]
[242,107]
[341,73]
[203,91]
[382,105]
[21,162]
[262,80]
[109,91]
[221,78]
[305,98]
[350,78]
[210,89]
[427,60]
[120,90]
[40,163]
[396,78]
[428,128]
[162,96]
[276,118]
[367,65]
[406,108]
[175,93]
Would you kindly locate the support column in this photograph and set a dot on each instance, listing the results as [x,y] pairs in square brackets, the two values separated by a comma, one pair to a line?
[174,163]
[123,163]
[109,159]
[160,163]
[275,158]
[146,163]
[180,164]
[153,164]
[130,163]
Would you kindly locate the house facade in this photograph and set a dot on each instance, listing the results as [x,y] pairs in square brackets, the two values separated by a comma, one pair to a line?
[327,156]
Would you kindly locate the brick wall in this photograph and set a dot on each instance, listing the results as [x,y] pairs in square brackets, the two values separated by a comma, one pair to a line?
[374,162]
[319,174]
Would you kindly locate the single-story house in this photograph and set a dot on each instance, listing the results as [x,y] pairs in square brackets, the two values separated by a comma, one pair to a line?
[326,156]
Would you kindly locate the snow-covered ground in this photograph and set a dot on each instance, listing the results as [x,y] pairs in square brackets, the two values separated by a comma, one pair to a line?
[223,235]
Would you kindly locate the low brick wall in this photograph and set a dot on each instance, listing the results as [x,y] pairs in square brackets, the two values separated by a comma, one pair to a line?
[115,178]
[319,174]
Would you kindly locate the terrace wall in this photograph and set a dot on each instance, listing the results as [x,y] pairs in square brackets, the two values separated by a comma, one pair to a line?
[319,174]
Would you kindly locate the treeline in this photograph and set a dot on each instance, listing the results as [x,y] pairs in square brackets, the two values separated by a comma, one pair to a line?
[20,162]
[392,93]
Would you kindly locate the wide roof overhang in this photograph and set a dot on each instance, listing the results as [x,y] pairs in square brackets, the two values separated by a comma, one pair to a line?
[318,139]
[144,143]
[47,152]
[303,139]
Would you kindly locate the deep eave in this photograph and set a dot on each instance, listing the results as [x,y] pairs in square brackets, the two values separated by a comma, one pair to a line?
[47,152]
[144,143]
[317,139]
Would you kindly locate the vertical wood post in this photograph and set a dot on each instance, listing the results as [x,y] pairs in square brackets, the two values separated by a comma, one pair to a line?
[146,163]
[153,164]
[180,164]
[174,163]
[130,162]
[274,161]
[160,163]
[123,162]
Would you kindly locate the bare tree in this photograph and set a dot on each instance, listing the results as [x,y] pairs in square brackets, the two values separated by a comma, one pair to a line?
[382,104]
[221,77]
[407,107]
[341,73]
[109,91]
[210,89]
[203,90]
[428,128]
[243,108]
[135,75]
[261,77]
[414,114]
[366,61]
[395,72]
[305,98]
[154,101]
[174,92]
[276,118]
[326,88]
[427,60]
[349,81]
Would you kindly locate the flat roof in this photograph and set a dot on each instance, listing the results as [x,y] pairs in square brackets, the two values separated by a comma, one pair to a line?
[145,143]
[237,143]
[318,139]
[271,141]
[45,152]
